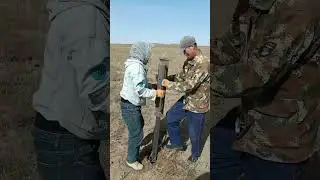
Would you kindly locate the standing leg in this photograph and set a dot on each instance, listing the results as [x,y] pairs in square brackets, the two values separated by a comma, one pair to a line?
[174,117]
[131,115]
[195,126]
[141,135]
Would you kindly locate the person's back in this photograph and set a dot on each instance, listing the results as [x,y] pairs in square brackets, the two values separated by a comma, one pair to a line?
[56,7]
[71,102]
[66,94]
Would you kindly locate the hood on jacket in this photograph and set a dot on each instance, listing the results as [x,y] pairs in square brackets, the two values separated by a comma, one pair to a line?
[141,51]
[131,61]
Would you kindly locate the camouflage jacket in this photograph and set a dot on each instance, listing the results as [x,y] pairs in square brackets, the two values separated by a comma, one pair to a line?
[194,82]
[286,130]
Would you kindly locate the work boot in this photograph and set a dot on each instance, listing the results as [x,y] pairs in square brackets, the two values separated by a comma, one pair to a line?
[193,159]
[136,165]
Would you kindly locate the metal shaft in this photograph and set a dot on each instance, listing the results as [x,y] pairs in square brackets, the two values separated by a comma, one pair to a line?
[159,106]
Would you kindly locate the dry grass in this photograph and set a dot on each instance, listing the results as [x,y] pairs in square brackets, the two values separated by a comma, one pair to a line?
[22,32]
[18,82]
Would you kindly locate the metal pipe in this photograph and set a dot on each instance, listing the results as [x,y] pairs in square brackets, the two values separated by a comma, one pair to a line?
[159,106]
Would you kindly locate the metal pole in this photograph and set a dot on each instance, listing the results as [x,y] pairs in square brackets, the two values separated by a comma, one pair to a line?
[159,106]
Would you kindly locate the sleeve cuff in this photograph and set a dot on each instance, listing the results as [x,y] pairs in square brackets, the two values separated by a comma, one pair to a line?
[170,84]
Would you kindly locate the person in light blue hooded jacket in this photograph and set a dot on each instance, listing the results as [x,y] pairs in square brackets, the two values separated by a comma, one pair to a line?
[135,91]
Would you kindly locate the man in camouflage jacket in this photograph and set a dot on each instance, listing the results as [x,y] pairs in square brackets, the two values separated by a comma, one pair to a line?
[193,81]
[275,138]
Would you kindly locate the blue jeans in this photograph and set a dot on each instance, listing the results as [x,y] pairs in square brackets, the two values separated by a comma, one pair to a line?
[228,164]
[195,126]
[132,116]
[63,156]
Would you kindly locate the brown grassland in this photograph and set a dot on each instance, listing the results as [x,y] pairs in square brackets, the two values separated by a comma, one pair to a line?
[23,25]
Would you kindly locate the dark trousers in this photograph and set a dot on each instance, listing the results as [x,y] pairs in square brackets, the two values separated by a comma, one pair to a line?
[228,164]
[63,156]
[195,126]
[133,118]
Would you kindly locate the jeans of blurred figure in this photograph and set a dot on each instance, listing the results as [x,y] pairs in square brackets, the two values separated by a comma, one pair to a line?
[228,164]
[133,118]
[63,156]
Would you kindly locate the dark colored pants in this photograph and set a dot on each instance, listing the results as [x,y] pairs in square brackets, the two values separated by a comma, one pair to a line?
[195,126]
[63,156]
[228,164]
[133,118]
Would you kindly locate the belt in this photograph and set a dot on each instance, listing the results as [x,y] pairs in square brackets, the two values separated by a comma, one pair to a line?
[54,126]
[48,125]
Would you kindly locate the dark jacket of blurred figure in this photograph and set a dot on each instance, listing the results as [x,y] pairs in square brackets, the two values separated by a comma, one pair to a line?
[263,36]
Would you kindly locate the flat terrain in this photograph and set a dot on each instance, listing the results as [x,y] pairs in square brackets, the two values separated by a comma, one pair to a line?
[170,165]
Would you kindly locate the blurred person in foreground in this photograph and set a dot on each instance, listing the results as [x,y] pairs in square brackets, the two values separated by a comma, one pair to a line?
[194,83]
[71,102]
[277,128]
[135,90]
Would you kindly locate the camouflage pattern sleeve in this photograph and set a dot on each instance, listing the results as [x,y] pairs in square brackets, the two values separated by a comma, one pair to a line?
[191,81]
[179,77]
[226,50]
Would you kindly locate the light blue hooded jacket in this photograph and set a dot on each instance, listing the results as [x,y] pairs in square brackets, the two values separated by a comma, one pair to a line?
[135,82]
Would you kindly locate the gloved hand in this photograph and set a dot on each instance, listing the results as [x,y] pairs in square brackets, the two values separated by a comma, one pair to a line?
[160,93]
[165,83]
